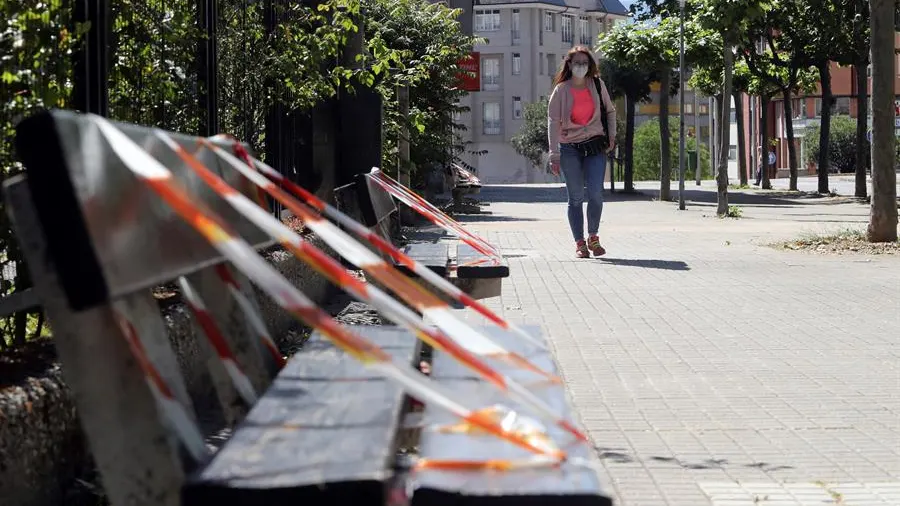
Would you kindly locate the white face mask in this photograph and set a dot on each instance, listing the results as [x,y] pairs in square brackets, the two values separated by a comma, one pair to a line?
[579,71]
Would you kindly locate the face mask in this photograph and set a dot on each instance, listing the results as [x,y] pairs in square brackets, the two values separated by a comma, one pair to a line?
[579,71]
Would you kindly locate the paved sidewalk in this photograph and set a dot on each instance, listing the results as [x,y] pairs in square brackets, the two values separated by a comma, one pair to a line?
[711,370]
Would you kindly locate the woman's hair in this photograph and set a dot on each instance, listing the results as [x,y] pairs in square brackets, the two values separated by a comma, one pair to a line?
[565,71]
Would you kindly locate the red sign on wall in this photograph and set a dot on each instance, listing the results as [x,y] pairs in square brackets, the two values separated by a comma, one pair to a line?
[470,72]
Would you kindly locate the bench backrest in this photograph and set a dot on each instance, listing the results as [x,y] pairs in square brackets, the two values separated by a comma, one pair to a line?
[96,242]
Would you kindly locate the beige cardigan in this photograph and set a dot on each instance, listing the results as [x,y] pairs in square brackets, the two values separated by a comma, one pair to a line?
[560,128]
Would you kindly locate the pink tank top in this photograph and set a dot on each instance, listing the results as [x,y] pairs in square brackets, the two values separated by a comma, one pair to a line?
[583,106]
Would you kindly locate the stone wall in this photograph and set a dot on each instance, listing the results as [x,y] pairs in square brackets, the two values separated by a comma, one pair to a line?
[42,450]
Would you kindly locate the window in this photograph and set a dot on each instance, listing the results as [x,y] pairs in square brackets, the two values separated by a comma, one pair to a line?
[566,25]
[584,30]
[549,22]
[551,64]
[842,105]
[516,64]
[517,107]
[704,109]
[732,152]
[490,118]
[490,74]
[799,108]
[689,108]
[487,21]
[516,34]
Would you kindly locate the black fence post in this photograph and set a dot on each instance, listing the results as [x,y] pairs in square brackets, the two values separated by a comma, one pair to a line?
[92,60]
[359,131]
[207,67]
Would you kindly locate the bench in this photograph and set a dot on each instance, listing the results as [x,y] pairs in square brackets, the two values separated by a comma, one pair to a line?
[477,274]
[324,427]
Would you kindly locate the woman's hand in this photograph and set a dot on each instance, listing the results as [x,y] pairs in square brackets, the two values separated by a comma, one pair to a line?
[554,168]
[612,146]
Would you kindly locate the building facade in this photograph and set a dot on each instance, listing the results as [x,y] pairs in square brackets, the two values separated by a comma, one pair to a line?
[525,42]
[807,113]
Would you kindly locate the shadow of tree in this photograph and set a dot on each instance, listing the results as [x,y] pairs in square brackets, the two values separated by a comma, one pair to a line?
[621,456]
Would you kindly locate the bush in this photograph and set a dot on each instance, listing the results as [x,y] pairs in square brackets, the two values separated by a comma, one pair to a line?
[647,158]
[531,139]
[841,144]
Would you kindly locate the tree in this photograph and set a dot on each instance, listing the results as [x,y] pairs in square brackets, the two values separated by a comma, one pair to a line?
[428,43]
[883,216]
[630,63]
[816,33]
[35,51]
[731,19]
[531,139]
[856,53]
[781,65]
[660,50]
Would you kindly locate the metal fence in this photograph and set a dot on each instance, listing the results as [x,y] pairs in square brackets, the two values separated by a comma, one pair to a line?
[176,64]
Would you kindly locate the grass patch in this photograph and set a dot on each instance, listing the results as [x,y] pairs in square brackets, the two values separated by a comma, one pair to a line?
[843,241]
[733,212]
[739,187]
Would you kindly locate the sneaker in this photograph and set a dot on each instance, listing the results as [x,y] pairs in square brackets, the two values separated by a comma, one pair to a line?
[581,250]
[594,245]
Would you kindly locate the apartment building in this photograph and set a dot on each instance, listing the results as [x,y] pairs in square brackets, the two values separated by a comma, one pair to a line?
[525,41]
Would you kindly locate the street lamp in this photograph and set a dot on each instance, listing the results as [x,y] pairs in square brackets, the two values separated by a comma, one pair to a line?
[681,76]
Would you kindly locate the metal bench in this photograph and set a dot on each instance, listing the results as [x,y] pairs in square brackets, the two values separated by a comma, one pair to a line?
[324,427]
[477,274]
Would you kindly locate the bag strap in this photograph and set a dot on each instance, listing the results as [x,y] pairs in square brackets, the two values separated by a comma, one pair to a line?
[599,87]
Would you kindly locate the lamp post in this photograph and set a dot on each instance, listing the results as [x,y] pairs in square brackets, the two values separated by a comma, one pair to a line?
[681,76]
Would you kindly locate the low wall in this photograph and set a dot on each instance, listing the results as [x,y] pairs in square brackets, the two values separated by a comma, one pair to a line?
[42,450]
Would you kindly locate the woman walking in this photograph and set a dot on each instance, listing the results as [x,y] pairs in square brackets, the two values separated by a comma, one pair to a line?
[581,125]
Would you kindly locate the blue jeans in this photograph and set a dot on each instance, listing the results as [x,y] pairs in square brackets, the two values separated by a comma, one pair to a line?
[579,170]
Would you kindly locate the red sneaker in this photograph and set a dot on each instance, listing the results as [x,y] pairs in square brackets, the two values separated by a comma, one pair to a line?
[581,250]
[594,245]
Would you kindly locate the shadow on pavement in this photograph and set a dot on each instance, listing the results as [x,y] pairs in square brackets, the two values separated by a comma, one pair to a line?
[774,198]
[620,456]
[767,199]
[669,265]
[531,194]
[487,218]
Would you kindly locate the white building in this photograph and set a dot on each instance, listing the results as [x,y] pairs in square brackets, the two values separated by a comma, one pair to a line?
[525,43]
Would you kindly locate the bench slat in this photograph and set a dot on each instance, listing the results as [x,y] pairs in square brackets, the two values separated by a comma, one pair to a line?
[435,256]
[466,254]
[324,431]
[568,485]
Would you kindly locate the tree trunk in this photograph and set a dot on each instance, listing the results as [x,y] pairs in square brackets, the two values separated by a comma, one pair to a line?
[825,127]
[628,177]
[713,136]
[764,141]
[724,139]
[665,138]
[742,138]
[883,215]
[792,147]
[862,116]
